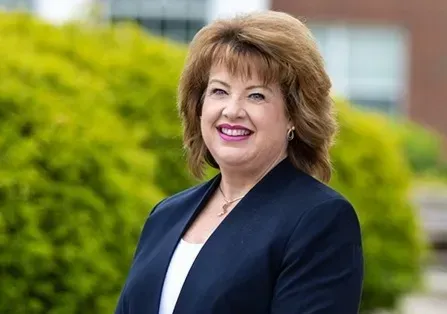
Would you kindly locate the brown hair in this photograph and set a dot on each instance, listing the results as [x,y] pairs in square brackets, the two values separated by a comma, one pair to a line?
[280,49]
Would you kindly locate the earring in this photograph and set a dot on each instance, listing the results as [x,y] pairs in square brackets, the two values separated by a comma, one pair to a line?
[291,133]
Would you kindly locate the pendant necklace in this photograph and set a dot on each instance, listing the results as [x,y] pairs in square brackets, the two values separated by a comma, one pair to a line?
[227,203]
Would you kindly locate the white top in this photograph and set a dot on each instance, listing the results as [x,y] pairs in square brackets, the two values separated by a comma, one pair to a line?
[181,262]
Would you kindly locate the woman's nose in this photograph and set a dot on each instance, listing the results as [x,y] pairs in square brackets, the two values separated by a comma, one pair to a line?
[233,109]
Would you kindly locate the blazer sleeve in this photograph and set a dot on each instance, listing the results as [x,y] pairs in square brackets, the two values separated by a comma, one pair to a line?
[145,229]
[121,307]
[322,268]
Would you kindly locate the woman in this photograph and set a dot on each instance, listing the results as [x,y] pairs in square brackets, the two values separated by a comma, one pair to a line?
[266,235]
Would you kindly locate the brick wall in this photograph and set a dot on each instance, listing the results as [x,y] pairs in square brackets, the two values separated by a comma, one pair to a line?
[426,22]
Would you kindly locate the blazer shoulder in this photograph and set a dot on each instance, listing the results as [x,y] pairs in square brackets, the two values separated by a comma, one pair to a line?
[313,192]
[325,209]
[309,198]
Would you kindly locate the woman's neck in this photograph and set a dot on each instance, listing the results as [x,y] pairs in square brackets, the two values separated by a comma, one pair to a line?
[236,183]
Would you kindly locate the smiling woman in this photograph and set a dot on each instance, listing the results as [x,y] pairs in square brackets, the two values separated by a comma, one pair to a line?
[266,235]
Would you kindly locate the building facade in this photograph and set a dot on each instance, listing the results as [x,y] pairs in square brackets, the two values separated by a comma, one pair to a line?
[386,54]
[26,5]
[177,19]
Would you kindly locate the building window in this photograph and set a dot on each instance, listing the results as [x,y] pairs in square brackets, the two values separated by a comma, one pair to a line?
[367,64]
[179,20]
[17,5]
[175,29]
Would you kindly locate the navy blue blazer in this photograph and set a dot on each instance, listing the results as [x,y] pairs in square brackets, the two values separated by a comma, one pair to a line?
[292,245]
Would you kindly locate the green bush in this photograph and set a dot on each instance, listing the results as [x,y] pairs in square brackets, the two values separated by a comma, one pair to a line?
[75,184]
[137,76]
[90,140]
[422,147]
[374,175]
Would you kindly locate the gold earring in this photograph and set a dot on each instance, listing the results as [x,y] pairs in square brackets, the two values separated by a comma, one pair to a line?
[291,133]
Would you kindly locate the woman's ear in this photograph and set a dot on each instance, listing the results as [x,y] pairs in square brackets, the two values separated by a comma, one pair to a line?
[289,124]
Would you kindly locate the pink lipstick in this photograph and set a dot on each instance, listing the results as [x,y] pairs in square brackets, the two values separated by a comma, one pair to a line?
[233,133]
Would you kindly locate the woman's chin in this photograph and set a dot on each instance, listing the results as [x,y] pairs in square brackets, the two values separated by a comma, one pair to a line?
[232,160]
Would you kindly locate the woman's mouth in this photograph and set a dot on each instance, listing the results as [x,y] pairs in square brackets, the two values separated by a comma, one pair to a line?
[234,133]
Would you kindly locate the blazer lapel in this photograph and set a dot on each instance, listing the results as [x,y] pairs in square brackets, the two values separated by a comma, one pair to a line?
[170,241]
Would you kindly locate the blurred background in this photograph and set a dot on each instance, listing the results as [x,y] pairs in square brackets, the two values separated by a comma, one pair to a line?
[90,140]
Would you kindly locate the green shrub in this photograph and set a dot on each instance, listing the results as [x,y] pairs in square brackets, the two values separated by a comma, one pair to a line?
[90,140]
[75,184]
[137,76]
[372,173]
[443,170]
[422,147]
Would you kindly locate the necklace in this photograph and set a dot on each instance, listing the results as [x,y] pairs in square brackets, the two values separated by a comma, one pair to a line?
[227,203]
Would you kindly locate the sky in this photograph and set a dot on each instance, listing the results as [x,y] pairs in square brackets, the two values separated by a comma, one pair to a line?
[59,10]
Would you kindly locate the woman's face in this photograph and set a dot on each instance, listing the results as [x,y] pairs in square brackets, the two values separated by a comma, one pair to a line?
[243,123]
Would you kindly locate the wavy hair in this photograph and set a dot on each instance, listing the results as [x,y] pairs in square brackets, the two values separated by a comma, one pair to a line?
[278,48]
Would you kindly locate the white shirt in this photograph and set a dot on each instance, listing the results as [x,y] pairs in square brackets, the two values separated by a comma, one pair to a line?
[181,262]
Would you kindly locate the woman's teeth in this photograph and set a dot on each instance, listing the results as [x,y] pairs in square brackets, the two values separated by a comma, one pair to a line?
[235,132]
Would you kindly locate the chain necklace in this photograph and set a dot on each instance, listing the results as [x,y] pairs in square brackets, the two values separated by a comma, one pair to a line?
[227,203]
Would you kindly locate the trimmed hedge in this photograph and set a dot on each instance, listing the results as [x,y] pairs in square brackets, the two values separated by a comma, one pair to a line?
[90,140]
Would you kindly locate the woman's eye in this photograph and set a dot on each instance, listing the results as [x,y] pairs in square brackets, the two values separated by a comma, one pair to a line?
[257,96]
[218,91]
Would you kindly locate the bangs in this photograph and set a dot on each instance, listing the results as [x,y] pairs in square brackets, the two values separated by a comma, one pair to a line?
[244,60]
